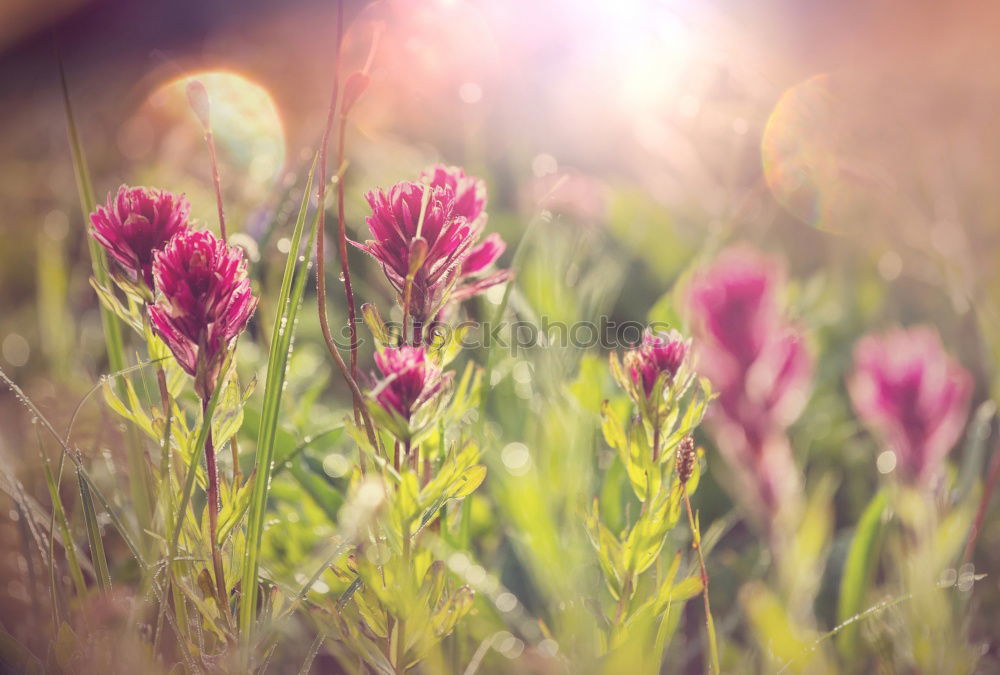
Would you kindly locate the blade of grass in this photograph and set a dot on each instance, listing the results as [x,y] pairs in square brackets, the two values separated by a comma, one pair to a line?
[112,326]
[97,556]
[289,300]
[858,570]
[59,515]
[116,520]
[311,654]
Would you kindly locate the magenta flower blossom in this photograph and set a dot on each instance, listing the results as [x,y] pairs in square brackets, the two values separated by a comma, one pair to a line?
[132,226]
[912,394]
[469,192]
[409,380]
[440,250]
[733,303]
[760,367]
[484,255]
[205,303]
[659,354]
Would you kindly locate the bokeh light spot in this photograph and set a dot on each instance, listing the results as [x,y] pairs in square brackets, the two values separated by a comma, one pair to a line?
[886,462]
[516,458]
[16,349]
[807,162]
[167,139]
[543,165]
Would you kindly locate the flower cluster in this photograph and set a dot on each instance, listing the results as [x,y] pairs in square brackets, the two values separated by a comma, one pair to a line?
[658,355]
[913,395]
[410,383]
[194,285]
[655,372]
[205,303]
[132,226]
[759,364]
[426,238]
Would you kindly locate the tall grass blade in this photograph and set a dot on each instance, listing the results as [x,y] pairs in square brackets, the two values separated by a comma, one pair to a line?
[59,515]
[112,326]
[116,519]
[97,556]
[858,570]
[293,285]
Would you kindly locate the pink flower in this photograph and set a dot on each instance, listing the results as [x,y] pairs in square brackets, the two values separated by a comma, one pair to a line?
[132,226]
[913,395]
[409,380]
[205,303]
[441,247]
[759,365]
[484,255]
[733,304]
[658,354]
[469,192]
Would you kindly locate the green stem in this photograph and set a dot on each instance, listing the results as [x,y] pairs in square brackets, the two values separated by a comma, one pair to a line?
[401,622]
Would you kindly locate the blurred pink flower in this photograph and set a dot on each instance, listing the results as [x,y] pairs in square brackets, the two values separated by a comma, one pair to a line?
[733,303]
[409,380]
[760,367]
[442,246]
[659,353]
[205,303]
[911,393]
[132,226]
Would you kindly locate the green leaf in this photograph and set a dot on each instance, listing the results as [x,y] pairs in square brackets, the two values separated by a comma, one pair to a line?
[293,283]
[234,508]
[65,645]
[686,589]
[609,551]
[97,556]
[614,433]
[228,416]
[110,301]
[859,568]
[318,488]
[467,483]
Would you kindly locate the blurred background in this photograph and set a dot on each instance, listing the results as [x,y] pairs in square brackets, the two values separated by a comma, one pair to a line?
[857,141]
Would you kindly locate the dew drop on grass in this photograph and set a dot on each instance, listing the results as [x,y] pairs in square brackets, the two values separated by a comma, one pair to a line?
[341,276]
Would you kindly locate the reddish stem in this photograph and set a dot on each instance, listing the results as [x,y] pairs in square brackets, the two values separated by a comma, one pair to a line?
[349,374]
[216,181]
[342,229]
[991,482]
[213,512]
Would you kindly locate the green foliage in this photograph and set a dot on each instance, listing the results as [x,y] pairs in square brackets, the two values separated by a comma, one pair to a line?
[859,569]
[533,515]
